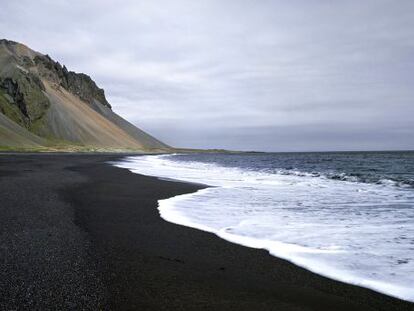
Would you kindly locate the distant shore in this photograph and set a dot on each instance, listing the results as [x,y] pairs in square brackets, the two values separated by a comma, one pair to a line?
[79,233]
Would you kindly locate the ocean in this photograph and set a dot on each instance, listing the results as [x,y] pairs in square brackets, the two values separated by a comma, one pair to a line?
[345,215]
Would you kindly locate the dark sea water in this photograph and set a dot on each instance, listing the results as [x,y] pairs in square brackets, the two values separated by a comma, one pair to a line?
[346,215]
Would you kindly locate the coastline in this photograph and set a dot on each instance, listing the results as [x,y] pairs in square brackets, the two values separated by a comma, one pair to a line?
[118,253]
[240,223]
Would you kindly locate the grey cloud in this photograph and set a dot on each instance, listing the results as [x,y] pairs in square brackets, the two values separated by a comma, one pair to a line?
[239,74]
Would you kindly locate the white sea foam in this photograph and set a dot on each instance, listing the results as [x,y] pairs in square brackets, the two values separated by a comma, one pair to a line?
[353,232]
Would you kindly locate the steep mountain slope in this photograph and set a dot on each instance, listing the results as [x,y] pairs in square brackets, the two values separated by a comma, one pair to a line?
[13,135]
[42,103]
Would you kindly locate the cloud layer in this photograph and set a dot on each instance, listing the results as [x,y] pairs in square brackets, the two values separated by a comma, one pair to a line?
[264,75]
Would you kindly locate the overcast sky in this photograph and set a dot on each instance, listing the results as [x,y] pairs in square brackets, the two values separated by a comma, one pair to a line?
[251,75]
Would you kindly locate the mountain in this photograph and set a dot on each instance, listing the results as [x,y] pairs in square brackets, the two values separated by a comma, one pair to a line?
[43,105]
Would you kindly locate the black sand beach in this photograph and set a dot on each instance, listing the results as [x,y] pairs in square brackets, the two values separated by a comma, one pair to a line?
[77,233]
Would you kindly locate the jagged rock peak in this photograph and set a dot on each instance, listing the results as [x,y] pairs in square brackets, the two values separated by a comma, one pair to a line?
[79,84]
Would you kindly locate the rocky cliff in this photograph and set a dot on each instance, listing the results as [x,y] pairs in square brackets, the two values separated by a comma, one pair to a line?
[48,102]
[78,83]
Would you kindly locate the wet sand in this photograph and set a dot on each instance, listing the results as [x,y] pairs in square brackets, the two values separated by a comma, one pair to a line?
[77,233]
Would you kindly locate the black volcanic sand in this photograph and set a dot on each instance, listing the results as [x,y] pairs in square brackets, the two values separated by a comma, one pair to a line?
[77,233]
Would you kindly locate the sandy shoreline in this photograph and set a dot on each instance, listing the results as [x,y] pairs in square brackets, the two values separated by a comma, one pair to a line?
[79,233]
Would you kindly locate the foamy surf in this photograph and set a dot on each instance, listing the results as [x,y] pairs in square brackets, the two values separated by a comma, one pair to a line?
[350,231]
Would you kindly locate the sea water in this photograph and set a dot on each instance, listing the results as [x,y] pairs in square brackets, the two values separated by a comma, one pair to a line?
[347,216]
